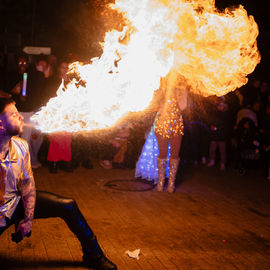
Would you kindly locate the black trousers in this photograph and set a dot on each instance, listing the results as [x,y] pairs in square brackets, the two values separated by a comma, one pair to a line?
[52,205]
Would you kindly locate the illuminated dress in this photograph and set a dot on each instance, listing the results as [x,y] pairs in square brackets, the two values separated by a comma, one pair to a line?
[170,123]
[167,125]
[146,166]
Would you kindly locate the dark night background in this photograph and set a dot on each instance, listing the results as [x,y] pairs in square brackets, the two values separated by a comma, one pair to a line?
[77,26]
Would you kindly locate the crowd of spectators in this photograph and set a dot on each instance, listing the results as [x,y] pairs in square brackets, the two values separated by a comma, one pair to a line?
[235,126]
[230,130]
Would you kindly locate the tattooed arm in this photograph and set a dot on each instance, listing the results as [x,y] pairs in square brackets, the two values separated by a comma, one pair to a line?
[28,192]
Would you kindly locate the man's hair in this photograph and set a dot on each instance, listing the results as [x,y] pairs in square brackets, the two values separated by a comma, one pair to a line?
[4,102]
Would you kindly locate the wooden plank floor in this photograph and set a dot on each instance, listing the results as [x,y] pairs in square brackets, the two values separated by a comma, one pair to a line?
[215,220]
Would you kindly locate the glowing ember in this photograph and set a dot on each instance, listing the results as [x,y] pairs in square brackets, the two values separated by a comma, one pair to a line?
[214,51]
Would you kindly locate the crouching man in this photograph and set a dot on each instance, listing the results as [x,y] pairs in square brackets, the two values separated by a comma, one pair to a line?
[20,203]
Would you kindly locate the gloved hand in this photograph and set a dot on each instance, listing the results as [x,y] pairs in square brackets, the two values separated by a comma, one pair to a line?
[24,229]
[17,236]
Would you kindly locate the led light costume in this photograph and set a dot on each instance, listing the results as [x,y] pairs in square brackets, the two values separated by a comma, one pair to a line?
[160,154]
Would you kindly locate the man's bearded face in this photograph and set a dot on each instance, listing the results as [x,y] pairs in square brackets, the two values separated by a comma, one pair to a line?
[12,120]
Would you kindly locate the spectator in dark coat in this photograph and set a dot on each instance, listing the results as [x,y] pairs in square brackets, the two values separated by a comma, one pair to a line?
[220,129]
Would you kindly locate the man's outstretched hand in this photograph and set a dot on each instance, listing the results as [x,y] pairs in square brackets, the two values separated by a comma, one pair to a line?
[17,236]
[24,229]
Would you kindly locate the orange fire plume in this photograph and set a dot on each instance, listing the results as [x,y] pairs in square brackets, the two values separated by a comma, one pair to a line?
[214,51]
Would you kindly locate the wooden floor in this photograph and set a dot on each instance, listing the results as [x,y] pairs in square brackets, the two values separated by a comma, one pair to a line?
[215,220]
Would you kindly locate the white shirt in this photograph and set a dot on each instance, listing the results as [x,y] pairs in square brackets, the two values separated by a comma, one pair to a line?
[16,167]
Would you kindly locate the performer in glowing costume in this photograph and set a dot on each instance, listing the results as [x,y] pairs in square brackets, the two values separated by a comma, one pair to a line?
[160,154]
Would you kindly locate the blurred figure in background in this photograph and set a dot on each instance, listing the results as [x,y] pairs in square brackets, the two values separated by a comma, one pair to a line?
[16,78]
[219,126]
[29,99]
[117,147]
[195,146]
[59,152]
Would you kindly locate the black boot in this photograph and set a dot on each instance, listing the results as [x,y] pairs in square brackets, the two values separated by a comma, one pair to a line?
[92,253]
[102,263]
[53,167]
[93,256]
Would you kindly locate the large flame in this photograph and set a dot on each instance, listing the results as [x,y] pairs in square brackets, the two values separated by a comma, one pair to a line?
[213,51]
